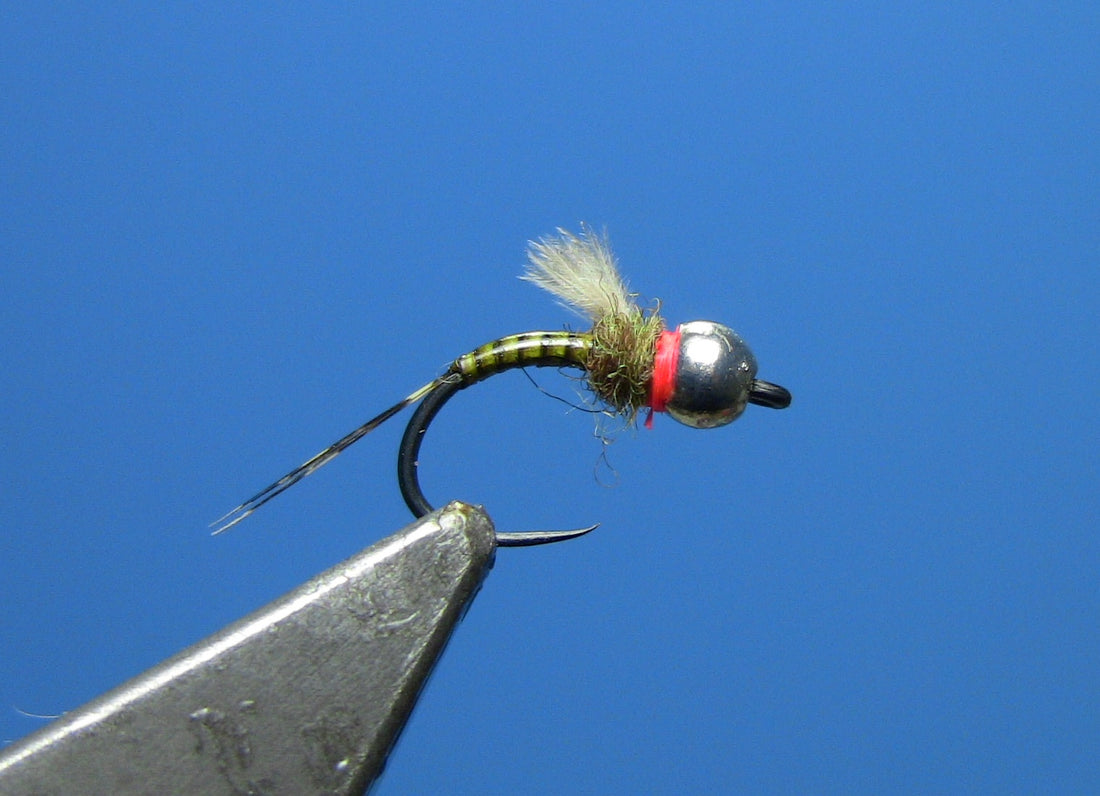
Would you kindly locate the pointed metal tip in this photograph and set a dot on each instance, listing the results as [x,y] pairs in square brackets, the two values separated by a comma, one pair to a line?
[532,538]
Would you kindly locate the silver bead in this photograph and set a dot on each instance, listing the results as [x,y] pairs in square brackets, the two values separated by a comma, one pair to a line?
[713,377]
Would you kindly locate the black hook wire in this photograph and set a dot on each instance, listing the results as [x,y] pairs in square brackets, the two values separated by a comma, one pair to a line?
[408,462]
[764,393]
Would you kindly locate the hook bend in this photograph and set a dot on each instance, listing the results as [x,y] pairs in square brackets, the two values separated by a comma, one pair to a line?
[408,461]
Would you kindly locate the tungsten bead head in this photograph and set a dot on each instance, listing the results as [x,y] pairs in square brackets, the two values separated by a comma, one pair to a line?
[714,375]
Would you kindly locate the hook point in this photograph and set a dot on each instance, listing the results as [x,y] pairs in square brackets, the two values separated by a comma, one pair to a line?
[531,538]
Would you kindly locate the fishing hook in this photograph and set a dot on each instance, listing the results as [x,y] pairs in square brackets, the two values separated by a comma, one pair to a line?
[761,393]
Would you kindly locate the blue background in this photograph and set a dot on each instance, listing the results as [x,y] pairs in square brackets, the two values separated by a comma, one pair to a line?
[228,236]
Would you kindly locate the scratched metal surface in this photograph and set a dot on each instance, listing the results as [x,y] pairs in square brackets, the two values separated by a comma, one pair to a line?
[306,695]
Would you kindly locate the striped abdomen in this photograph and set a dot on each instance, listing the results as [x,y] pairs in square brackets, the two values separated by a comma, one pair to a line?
[536,349]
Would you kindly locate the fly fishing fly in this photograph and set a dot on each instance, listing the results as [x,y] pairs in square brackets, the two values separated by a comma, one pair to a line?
[702,373]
